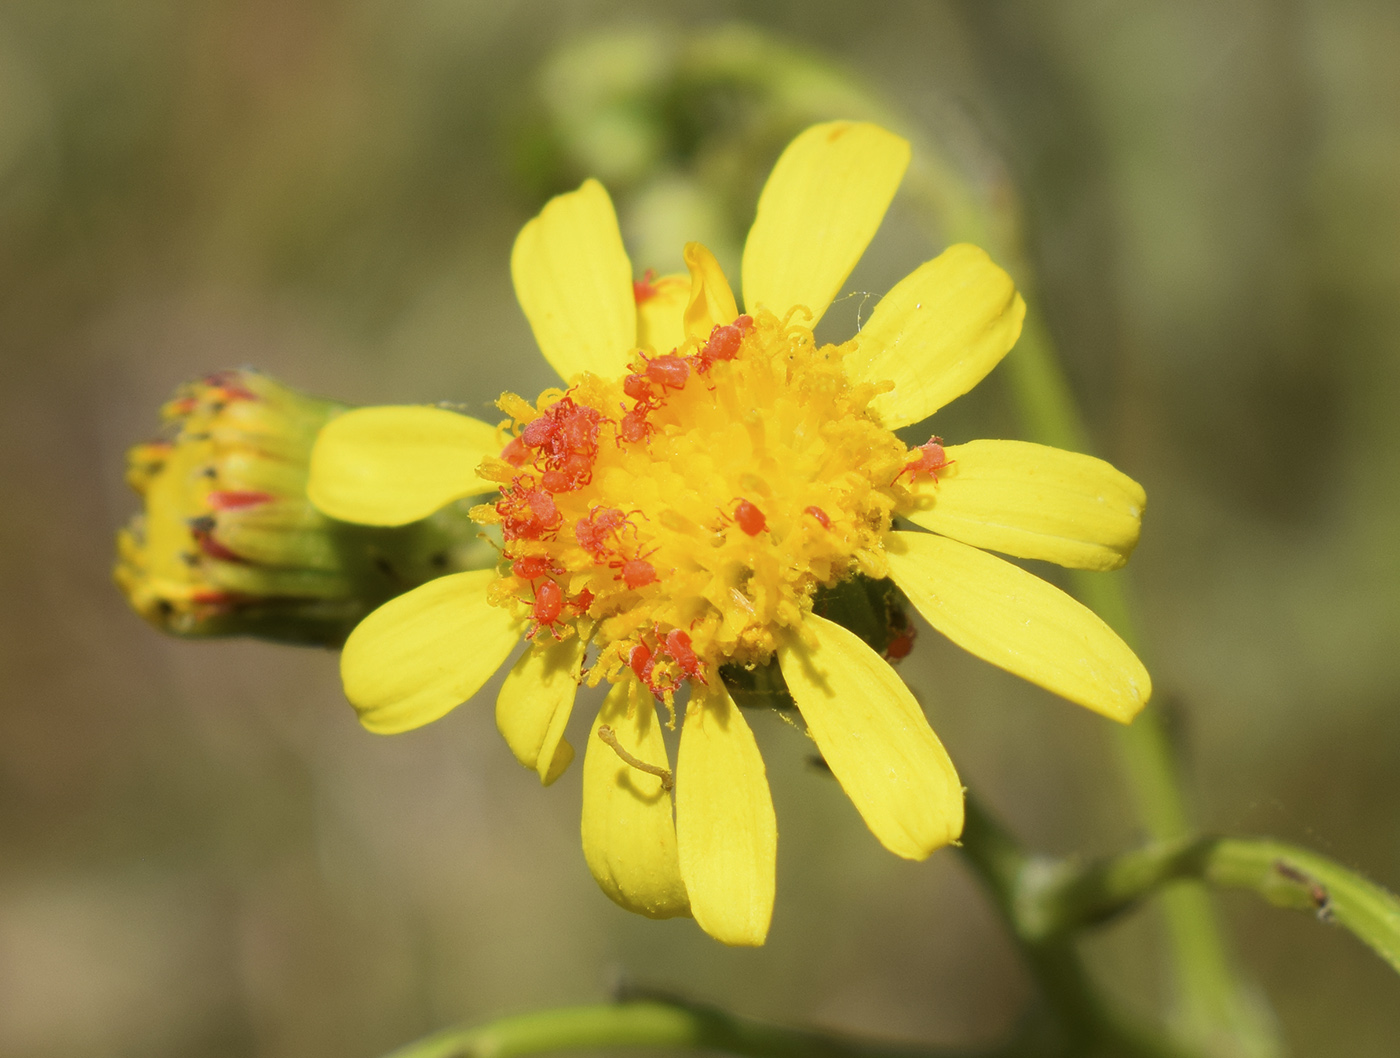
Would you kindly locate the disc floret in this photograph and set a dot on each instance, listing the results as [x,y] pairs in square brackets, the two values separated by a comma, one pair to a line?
[681,517]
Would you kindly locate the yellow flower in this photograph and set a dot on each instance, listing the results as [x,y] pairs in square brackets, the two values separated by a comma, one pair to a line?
[676,507]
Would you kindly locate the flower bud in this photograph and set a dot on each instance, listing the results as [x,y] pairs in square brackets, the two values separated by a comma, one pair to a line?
[228,543]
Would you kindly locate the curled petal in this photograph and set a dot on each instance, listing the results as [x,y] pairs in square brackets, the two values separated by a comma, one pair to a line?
[712,301]
[818,212]
[424,653]
[876,739]
[395,465]
[1017,621]
[533,707]
[1033,501]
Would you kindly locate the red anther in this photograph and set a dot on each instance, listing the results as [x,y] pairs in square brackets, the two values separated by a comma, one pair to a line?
[515,453]
[638,573]
[223,500]
[236,392]
[640,661]
[202,529]
[678,646]
[530,567]
[900,645]
[214,549]
[538,432]
[644,289]
[820,515]
[212,597]
[670,371]
[637,387]
[230,382]
[930,461]
[750,518]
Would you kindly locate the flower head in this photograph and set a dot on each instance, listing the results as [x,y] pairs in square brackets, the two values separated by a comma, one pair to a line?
[677,507]
[228,544]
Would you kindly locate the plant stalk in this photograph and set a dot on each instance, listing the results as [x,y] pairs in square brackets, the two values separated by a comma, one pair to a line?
[657,1022]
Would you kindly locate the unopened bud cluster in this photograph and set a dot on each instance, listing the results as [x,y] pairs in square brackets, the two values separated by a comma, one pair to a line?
[229,544]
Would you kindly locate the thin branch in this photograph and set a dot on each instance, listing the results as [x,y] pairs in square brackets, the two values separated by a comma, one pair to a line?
[1084,1023]
[1057,899]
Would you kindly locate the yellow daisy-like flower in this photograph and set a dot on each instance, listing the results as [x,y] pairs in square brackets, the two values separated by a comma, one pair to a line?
[676,507]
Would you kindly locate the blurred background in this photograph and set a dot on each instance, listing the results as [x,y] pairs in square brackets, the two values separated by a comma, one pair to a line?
[202,854]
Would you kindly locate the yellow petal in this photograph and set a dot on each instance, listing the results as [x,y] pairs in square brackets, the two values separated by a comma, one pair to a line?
[1017,621]
[937,334]
[661,313]
[533,707]
[574,281]
[424,653]
[629,837]
[1033,501]
[395,465]
[725,828]
[876,739]
[711,300]
[819,210]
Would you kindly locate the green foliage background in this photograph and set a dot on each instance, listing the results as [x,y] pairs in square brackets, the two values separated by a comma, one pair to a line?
[201,854]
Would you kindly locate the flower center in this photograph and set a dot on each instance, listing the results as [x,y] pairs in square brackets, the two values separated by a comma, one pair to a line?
[681,517]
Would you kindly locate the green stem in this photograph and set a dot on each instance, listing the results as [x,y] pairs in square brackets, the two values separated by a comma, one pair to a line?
[1084,1023]
[1065,900]
[1208,992]
[1045,902]
[656,1023]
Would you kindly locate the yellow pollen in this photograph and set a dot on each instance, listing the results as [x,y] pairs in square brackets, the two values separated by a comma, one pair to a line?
[681,518]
